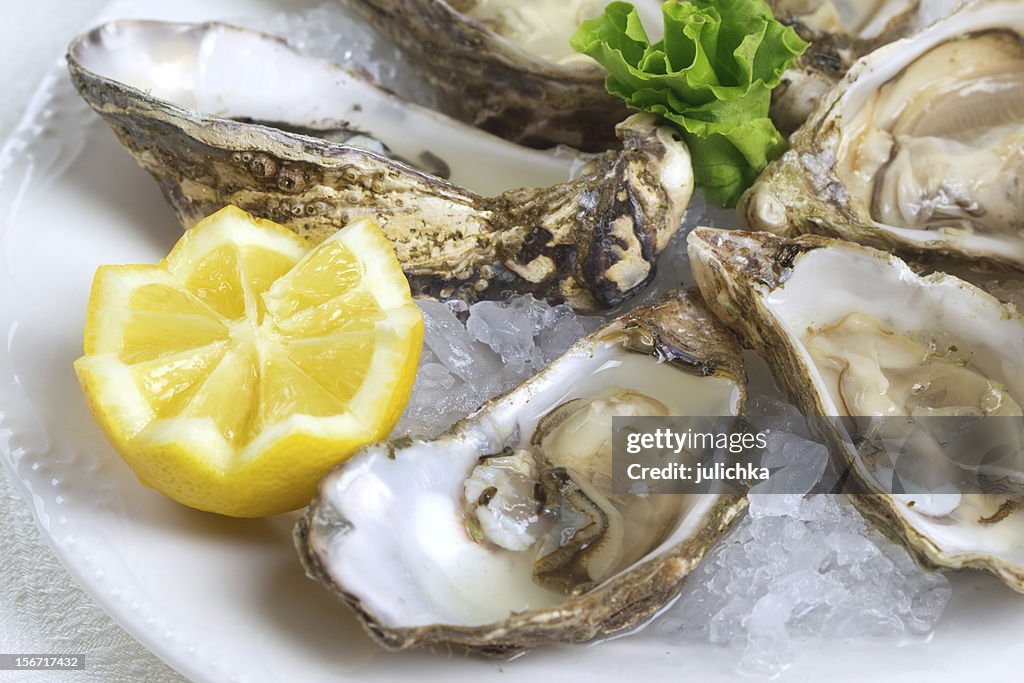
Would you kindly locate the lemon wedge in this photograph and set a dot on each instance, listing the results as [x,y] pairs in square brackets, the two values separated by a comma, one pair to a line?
[232,375]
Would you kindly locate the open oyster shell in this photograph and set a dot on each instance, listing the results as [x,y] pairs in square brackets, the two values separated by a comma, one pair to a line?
[504,534]
[840,32]
[506,65]
[591,241]
[252,77]
[894,344]
[918,150]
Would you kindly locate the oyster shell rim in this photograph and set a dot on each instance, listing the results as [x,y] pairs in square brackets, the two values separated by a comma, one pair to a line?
[81,74]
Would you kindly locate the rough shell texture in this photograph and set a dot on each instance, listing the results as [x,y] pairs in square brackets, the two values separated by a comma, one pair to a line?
[493,84]
[591,242]
[678,330]
[681,330]
[737,273]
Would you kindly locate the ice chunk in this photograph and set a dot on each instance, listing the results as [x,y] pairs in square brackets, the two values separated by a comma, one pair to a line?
[448,339]
[509,329]
[726,624]
[526,331]
[797,466]
[850,547]
[768,637]
[560,329]
[436,376]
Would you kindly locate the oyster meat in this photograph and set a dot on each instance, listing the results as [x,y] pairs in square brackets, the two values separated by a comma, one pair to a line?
[920,149]
[507,67]
[591,241]
[897,345]
[840,32]
[506,533]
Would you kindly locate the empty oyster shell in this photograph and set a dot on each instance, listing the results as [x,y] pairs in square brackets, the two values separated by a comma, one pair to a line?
[896,344]
[591,241]
[505,533]
[234,73]
[919,148]
[506,65]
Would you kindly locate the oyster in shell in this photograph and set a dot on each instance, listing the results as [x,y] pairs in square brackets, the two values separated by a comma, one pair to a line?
[506,65]
[920,149]
[840,32]
[895,345]
[591,241]
[505,533]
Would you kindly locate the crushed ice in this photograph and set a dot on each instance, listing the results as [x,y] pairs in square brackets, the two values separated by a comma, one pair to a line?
[802,567]
[496,348]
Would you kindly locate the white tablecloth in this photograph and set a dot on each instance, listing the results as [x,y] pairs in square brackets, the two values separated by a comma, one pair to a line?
[41,608]
[42,611]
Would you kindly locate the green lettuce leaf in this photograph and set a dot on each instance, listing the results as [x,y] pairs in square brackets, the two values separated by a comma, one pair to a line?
[711,77]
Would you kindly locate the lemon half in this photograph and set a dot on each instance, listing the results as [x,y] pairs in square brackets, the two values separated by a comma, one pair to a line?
[232,375]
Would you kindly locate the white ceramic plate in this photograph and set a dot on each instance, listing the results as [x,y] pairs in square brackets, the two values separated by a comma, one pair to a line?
[225,600]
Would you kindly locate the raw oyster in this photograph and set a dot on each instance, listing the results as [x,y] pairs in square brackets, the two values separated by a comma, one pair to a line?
[840,32]
[591,241]
[506,65]
[505,534]
[918,150]
[894,344]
